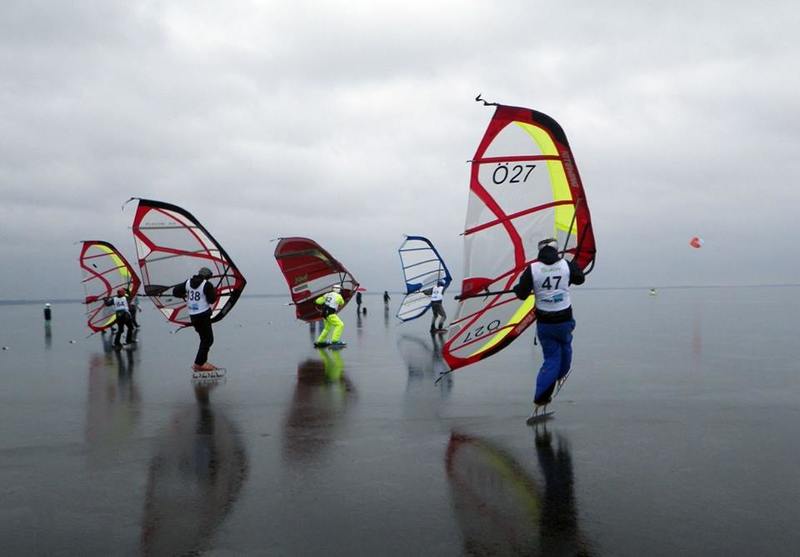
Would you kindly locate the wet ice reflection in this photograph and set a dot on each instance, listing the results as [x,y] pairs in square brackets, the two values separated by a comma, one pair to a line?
[193,480]
[504,507]
[113,402]
[425,363]
[321,399]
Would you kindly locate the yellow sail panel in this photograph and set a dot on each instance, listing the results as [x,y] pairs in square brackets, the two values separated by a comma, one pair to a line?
[558,178]
[541,137]
[120,265]
[521,312]
[105,271]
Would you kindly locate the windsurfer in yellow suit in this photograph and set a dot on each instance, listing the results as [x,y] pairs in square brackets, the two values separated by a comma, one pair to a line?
[330,304]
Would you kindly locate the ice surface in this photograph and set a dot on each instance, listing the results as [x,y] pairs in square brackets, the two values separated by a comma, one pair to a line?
[674,435]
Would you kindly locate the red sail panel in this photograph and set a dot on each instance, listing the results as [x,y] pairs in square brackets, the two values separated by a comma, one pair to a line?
[310,271]
[524,187]
[104,270]
[172,246]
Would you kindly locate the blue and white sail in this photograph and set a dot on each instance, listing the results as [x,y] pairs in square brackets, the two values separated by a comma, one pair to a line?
[423,267]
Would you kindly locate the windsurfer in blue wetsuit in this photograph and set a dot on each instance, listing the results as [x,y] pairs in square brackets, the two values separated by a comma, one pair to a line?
[200,296]
[548,279]
[123,315]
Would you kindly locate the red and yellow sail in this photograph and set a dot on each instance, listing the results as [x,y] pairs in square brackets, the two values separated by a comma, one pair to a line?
[524,187]
[105,270]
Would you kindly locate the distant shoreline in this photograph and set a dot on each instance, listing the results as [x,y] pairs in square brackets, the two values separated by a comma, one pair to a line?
[675,287]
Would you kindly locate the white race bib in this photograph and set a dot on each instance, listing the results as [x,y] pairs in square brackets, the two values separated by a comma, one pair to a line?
[196,299]
[120,303]
[331,301]
[551,285]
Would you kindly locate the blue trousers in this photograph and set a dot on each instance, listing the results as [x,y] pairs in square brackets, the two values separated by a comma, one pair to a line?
[556,341]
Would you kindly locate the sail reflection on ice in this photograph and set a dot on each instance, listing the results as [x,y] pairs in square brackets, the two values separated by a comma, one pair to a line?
[320,402]
[502,509]
[194,479]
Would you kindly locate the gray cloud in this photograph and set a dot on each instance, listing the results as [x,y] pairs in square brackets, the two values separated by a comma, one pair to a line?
[352,123]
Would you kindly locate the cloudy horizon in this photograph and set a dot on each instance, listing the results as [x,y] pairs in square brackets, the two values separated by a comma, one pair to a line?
[351,123]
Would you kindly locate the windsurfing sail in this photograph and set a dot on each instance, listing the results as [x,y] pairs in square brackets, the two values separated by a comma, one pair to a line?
[172,246]
[423,267]
[524,187]
[104,270]
[310,271]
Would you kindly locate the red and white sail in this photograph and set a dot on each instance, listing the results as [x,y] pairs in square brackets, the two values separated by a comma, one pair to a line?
[310,271]
[524,187]
[105,270]
[172,246]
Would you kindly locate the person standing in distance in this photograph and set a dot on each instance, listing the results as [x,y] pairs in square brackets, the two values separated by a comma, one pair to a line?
[330,304]
[200,296]
[548,279]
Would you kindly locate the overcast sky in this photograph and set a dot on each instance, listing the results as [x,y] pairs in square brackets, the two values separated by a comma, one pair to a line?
[351,123]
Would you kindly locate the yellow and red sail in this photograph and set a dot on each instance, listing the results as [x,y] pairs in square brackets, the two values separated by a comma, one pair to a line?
[524,187]
[105,270]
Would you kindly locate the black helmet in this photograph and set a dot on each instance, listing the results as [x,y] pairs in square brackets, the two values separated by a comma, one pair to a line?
[205,272]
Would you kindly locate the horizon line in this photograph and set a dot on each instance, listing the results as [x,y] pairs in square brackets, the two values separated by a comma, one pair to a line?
[24,301]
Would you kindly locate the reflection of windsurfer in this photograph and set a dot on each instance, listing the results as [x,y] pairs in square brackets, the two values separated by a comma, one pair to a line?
[193,479]
[424,362]
[112,404]
[548,279]
[200,296]
[125,366]
[503,510]
[321,397]
[106,337]
[559,518]
[360,324]
[440,369]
